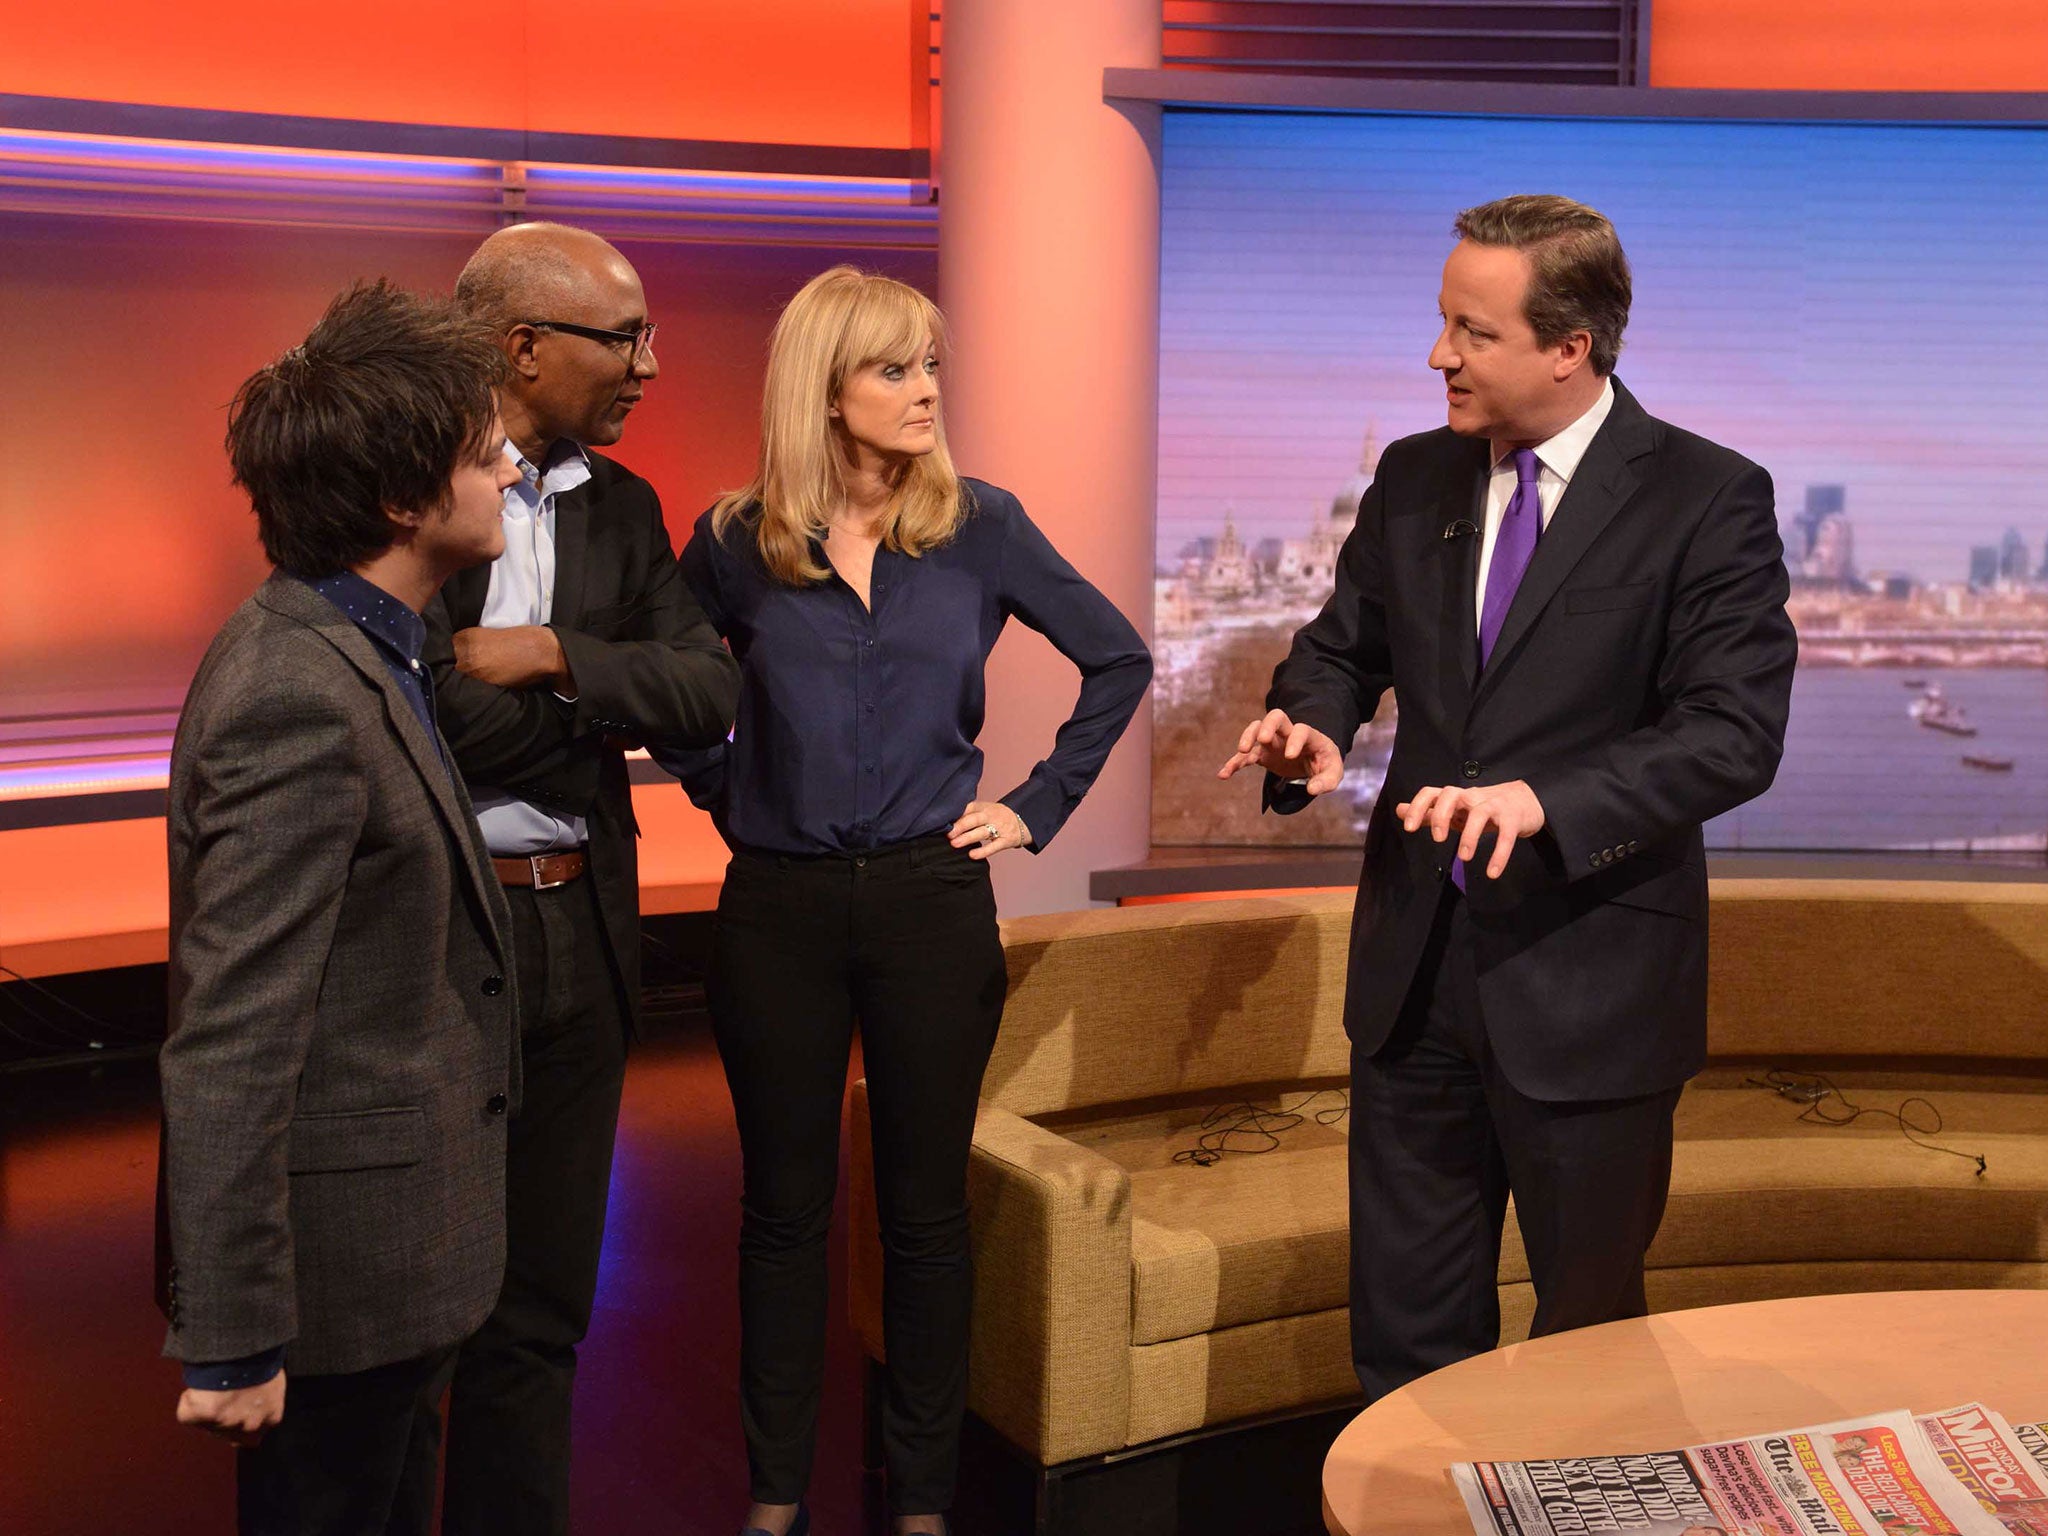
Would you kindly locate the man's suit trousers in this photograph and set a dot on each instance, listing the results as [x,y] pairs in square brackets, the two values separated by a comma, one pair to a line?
[355,1454]
[1440,1138]
[508,1412]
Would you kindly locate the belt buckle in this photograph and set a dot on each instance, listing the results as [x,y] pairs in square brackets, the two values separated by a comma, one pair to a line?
[540,882]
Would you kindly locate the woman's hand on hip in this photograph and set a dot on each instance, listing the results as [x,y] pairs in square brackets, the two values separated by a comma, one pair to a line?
[988,827]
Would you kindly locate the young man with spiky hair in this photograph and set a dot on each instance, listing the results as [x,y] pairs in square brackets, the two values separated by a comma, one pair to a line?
[342,1057]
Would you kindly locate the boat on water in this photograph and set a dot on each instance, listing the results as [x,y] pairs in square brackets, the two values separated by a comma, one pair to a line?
[1937,712]
[1987,764]
[1914,682]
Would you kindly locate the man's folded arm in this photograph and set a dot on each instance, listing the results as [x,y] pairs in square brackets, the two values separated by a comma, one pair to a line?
[515,738]
[672,682]
[1727,669]
[277,806]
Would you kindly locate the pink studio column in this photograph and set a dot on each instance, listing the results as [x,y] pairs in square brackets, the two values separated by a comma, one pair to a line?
[1049,275]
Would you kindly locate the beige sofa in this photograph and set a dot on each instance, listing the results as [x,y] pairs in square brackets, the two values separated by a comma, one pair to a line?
[1123,1299]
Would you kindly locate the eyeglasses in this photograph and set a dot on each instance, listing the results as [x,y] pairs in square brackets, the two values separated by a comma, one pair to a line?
[639,343]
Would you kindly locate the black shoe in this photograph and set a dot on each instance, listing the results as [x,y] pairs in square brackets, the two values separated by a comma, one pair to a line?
[800,1526]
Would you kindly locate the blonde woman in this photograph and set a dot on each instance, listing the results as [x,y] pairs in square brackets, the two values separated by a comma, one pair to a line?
[860,583]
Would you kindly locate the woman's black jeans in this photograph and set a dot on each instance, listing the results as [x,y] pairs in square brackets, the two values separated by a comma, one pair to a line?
[902,939]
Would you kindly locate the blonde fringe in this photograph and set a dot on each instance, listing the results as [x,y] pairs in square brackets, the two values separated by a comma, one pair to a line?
[841,321]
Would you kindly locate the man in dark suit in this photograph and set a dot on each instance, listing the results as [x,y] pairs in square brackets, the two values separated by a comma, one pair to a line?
[1580,611]
[342,1058]
[580,639]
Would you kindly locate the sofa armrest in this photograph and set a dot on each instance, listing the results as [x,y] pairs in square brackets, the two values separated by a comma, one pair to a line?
[1050,1363]
[1052,1296]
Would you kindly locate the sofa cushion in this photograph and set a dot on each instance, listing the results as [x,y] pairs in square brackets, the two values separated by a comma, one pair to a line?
[1751,1184]
[1243,1239]
[1282,1365]
[1255,1237]
[1878,968]
[1176,1000]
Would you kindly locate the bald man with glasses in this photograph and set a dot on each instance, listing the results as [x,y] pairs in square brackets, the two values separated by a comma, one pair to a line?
[580,640]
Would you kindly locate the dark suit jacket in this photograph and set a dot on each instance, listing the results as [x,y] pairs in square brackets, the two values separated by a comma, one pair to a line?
[1639,685]
[342,1047]
[649,670]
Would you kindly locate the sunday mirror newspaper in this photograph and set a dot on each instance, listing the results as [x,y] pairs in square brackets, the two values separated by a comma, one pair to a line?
[2004,1468]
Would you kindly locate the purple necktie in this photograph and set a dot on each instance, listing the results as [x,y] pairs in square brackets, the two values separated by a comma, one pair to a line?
[1513,547]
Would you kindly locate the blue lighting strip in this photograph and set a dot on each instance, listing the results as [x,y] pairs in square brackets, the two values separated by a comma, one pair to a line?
[153,178]
[43,780]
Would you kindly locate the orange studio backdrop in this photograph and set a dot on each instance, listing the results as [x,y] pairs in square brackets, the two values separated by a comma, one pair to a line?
[830,72]
[1850,45]
[126,546]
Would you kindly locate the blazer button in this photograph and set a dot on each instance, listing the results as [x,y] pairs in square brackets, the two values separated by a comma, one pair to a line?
[1471,770]
[493,985]
[496,1104]
[1594,860]
[1631,847]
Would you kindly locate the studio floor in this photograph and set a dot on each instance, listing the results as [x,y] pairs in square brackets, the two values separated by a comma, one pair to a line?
[87,1441]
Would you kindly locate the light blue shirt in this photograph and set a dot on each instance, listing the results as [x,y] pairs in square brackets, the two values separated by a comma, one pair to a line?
[523,592]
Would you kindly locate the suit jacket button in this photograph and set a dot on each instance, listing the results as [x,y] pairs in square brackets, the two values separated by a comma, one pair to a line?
[496,1104]
[493,985]
[1594,860]
[1631,847]
[1439,871]
[1471,770]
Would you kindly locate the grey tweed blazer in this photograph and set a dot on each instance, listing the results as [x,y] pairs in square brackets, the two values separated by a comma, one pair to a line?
[342,1054]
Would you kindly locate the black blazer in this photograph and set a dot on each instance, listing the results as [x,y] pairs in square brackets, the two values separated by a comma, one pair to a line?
[649,670]
[1640,686]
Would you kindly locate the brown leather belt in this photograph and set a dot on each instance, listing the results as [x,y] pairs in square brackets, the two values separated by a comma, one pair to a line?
[542,871]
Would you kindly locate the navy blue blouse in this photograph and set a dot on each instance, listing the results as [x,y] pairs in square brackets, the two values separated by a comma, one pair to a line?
[856,727]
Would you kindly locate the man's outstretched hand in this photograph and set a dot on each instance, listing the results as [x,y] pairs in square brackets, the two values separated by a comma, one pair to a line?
[1288,749]
[1511,809]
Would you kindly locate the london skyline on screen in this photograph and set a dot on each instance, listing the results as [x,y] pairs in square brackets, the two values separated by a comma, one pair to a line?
[1853,306]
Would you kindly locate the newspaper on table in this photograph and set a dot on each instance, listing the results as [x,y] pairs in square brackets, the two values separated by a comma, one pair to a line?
[1872,1476]
[2033,1440]
[2005,1468]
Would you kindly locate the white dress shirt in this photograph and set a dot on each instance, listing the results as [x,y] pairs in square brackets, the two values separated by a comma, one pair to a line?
[523,592]
[1558,460]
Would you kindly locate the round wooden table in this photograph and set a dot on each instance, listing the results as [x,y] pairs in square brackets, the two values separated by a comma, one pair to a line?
[1677,1379]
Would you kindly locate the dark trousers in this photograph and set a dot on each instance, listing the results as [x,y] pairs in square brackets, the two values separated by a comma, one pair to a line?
[904,940]
[354,1455]
[508,1408]
[1439,1138]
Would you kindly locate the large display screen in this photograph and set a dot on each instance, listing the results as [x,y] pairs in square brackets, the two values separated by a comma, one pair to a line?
[1859,308]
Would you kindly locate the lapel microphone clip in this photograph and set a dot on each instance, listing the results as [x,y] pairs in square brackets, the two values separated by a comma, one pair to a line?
[1461,529]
